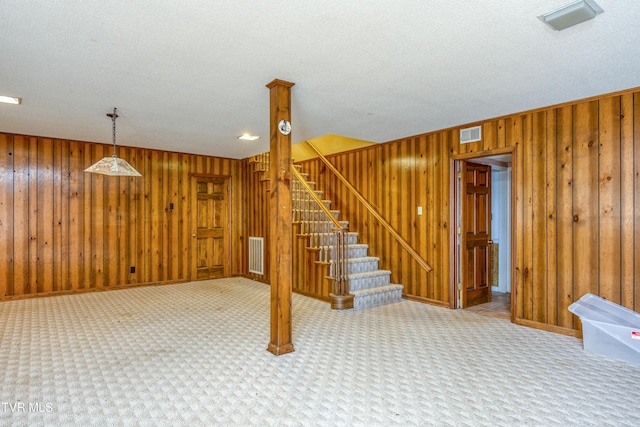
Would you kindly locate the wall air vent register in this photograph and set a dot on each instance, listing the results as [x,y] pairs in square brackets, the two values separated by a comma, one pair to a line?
[472,134]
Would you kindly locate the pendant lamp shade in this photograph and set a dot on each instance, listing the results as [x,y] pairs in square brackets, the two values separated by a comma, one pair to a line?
[113,166]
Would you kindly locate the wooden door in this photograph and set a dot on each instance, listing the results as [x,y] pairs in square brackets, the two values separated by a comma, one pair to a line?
[475,233]
[210,228]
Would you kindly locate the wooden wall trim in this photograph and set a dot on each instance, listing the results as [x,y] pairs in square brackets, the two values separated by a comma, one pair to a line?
[88,290]
[427,301]
[483,153]
[548,328]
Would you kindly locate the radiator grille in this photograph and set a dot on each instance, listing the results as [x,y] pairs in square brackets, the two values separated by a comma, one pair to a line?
[256,255]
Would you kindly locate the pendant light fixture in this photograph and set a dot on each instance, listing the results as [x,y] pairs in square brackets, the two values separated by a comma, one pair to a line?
[113,166]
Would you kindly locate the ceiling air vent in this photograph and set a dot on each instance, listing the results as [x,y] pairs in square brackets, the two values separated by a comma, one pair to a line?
[470,135]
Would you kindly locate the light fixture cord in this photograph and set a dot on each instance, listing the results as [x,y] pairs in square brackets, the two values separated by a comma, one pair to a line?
[114,116]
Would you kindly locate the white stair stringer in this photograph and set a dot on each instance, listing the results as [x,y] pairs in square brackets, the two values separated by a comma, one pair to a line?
[369,285]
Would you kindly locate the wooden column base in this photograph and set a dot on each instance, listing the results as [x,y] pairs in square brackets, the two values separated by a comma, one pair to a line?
[280,349]
[341,302]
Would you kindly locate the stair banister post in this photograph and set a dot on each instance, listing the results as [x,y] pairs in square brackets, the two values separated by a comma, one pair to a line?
[340,298]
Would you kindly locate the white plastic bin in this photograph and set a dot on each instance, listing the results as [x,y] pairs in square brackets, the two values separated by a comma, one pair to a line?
[608,329]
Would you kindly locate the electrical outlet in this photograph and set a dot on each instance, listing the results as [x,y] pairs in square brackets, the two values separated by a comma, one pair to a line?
[170,206]
[419,210]
[133,269]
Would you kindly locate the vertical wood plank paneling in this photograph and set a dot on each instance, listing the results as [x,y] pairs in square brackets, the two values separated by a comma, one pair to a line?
[76,215]
[489,135]
[443,273]
[501,141]
[88,279]
[378,175]
[32,224]
[239,256]
[125,229]
[57,171]
[564,198]
[156,212]
[538,230]
[636,189]
[627,194]
[21,215]
[6,215]
[165,215]
[404,208]
[421,242]
[441,212]
[184,215]
[527,217]
[550,251]
[609,197]
[111,255]
[515,134]
[173,214]
[585,198]
[454,141]
[44,216]
[98,220]
[66,230]
[146,243]
[136,222]
[430,290]
[66,215]
[143,221]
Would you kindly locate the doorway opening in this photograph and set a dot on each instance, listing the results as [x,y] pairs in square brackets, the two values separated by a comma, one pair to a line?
[483,238]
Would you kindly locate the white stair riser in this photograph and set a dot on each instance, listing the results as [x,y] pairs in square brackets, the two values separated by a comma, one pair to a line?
[362,266]
[359,251]
[302,194]
[309,204]
[329,238]
[373,299]
[314,215]
[321,226]
[295,185]
[369,282]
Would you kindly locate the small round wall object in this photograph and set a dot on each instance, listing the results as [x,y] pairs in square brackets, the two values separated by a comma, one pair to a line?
[284,127]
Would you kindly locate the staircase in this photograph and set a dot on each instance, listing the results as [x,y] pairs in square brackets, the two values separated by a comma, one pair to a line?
[369,285]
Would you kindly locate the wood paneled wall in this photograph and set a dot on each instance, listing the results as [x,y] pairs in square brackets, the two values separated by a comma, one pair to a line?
[396,178]
[63,229]
[577,212]
[258,214]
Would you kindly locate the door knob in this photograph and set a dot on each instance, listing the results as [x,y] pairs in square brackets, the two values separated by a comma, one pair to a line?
[490,242]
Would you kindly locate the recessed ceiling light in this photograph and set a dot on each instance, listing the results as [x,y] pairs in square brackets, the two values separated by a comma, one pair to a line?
[10,100]
[248,137]
[571,14]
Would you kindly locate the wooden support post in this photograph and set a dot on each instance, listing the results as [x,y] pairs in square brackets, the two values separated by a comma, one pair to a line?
[280,227]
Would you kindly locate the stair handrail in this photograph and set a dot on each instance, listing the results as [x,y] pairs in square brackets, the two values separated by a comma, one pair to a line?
[406,245]
[339,256]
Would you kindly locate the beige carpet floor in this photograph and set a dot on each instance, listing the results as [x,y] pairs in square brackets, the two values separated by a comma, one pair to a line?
[194,355]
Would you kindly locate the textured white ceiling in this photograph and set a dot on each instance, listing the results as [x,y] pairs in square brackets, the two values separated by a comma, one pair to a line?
[190,76]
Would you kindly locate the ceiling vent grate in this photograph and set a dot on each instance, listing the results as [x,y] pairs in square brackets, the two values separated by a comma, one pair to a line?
[470,134]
